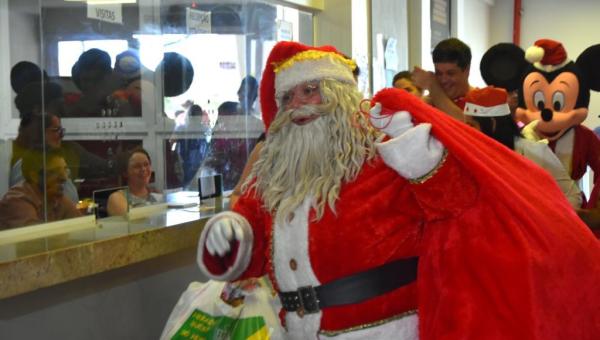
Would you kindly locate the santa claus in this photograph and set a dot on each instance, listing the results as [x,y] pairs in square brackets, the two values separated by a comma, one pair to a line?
[422,231]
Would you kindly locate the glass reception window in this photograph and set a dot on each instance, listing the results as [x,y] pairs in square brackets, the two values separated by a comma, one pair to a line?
[90,82]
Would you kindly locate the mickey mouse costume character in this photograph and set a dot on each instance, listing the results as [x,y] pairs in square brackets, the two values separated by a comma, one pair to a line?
[487,110]
[554,94]
[423,232]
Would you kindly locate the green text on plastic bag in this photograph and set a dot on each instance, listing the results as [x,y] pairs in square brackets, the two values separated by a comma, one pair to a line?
[202,326]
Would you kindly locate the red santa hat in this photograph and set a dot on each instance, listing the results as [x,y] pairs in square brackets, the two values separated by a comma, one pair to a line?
[547,55]
[487,102]
[291,63]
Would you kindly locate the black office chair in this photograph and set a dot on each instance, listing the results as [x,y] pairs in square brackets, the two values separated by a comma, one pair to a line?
[100,198]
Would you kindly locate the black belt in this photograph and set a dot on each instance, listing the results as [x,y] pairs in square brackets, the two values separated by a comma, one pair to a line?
[352,289]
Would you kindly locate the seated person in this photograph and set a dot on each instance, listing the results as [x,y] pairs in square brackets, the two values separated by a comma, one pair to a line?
[52,135]
[31,100]
[136,167]
[40,107]
[488,111]
[23,204]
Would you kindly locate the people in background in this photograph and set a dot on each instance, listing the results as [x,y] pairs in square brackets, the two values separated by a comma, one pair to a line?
[136,167]
[231,146]
[46,130]
[93,75]
[128,71]
[40,197]
[241,184]
[247,94]
[403,80]
[450,83]
[40,106]
[31,100]
[488,111]
[192,141]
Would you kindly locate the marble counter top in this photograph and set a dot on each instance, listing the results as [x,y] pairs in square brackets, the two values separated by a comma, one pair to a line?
[113,242]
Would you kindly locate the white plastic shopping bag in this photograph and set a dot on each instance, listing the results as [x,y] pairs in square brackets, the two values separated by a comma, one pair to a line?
[220,310]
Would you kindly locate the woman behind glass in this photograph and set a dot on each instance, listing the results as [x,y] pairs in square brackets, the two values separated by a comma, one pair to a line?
[136,168]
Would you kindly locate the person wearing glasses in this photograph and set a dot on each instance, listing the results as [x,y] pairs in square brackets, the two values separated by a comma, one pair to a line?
[40,197]
[40,106]
[52,135]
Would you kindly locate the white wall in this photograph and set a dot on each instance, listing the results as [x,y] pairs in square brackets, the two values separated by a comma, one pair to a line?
[334,25]
[501,22]
[473,27]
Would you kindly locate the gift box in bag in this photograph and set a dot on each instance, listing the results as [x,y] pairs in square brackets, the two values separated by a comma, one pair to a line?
[201,313]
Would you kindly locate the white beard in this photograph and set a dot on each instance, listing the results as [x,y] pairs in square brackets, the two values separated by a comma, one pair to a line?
[298,161]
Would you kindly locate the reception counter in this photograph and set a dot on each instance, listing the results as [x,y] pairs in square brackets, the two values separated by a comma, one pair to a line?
[120,278]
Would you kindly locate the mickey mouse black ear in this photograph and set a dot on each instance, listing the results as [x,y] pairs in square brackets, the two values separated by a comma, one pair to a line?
[503,65]
[177,72]
[23,73]
[589,62]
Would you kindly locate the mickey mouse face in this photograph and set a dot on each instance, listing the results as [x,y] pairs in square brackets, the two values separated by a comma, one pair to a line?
[552,103]
[553,90]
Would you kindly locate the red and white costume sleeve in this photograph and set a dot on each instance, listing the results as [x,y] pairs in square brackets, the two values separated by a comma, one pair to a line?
[586,152]
[498,259]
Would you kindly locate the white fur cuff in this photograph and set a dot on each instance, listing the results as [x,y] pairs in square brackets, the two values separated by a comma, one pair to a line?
[244,252]
[413,154]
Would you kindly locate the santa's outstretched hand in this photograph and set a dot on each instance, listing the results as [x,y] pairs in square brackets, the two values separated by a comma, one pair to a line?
[225,245]
[411,150]
[221,233]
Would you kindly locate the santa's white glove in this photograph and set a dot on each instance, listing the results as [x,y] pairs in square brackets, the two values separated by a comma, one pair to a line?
[414,153]
[392,125]
[221,233]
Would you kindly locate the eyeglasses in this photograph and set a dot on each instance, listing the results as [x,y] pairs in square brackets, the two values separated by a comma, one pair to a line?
[60,171]
[59,129]
[304,92]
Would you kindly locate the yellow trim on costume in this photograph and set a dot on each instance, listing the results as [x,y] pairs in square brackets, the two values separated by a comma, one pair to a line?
[312,55]
[431,173]
[369,325]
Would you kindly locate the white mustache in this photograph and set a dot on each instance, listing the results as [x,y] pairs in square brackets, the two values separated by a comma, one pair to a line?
[285,117]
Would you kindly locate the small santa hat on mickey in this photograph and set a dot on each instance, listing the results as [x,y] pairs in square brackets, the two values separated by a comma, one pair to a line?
[291,63]
[127,64]
[487,102]
[547,55]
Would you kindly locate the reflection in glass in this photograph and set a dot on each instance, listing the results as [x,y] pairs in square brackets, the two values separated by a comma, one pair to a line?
[152,79]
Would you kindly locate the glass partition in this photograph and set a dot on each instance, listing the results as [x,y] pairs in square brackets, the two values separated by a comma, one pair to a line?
[147,94]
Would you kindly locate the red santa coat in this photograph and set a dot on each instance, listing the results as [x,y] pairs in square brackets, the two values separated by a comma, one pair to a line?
[498,258]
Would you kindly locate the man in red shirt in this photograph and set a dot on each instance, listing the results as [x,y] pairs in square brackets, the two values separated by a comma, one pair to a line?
[450,82]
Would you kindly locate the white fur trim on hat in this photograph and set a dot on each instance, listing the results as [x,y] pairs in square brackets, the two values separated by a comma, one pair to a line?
[312,69]
[550,68]
[534,54]
[486,111]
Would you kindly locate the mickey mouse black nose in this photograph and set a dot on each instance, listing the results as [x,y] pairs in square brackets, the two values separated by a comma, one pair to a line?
[547,115]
